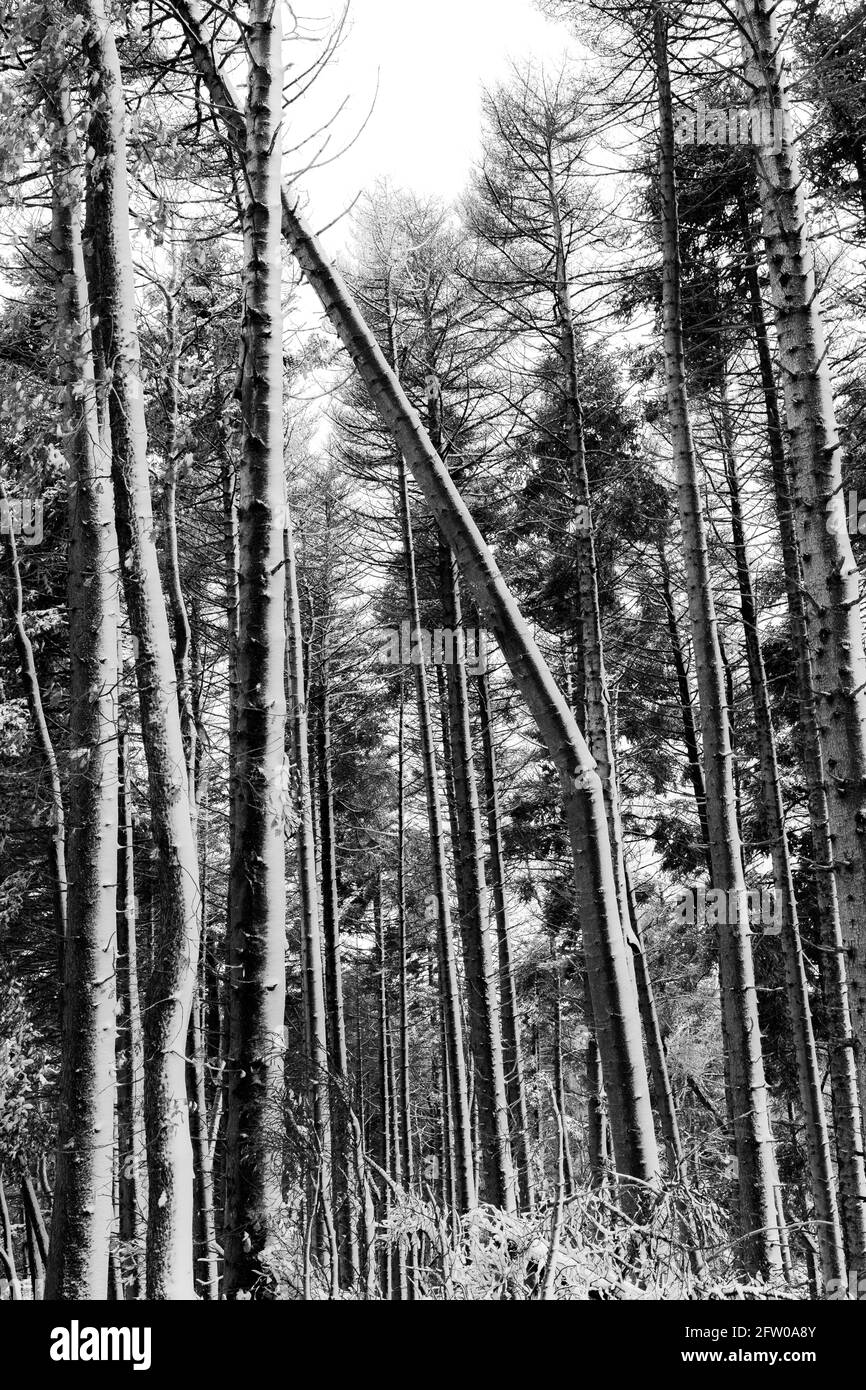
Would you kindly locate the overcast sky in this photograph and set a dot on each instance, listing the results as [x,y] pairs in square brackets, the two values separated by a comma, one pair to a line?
[430,62]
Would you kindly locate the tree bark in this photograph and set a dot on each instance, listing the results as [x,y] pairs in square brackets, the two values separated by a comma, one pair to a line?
[83,1208]
[823,1180]
[843,1066]
[512,1054]
[132,1197]
[341,1158]
[257,890]
[754,1151]
[311,939]
[175,958]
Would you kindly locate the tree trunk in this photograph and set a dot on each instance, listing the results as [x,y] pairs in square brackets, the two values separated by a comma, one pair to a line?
[383,1148]
[452,1021]
[130,1044]
[754,1151]
[497,1173]
[173,978]
[559,1084]
[511,1050]
[808,1072]
[311,940]
[83,1209]
[342,1166]
[841,1050]
[257,890]
[687,713]
[664,1096]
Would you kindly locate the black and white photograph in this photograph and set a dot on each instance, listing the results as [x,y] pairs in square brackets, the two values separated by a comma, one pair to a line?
[432,673]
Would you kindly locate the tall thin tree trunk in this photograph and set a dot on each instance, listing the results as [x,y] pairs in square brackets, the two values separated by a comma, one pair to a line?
[841,1049]
[131,1178]
[405,1091]
[559,1081]
[257,888]
[311,940]
[687,713]
[512,1055]
[823,1179]
[664,1096]
[386,1095]
[342,1166]
[83,1208]
[754,1150]
[206,1263]
[173,977]
[452,1021]
[497,1173]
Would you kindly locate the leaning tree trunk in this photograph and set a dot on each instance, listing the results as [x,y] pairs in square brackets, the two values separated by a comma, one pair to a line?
[830,576]
[257,885]
[175,957]
[83,1212]
[753,1140]
[614,1003]
[842,1058]
[823,1179]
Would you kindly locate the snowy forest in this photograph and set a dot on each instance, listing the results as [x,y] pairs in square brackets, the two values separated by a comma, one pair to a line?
[432,672]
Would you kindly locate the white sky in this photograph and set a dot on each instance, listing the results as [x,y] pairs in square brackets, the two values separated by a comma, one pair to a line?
[431,61]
